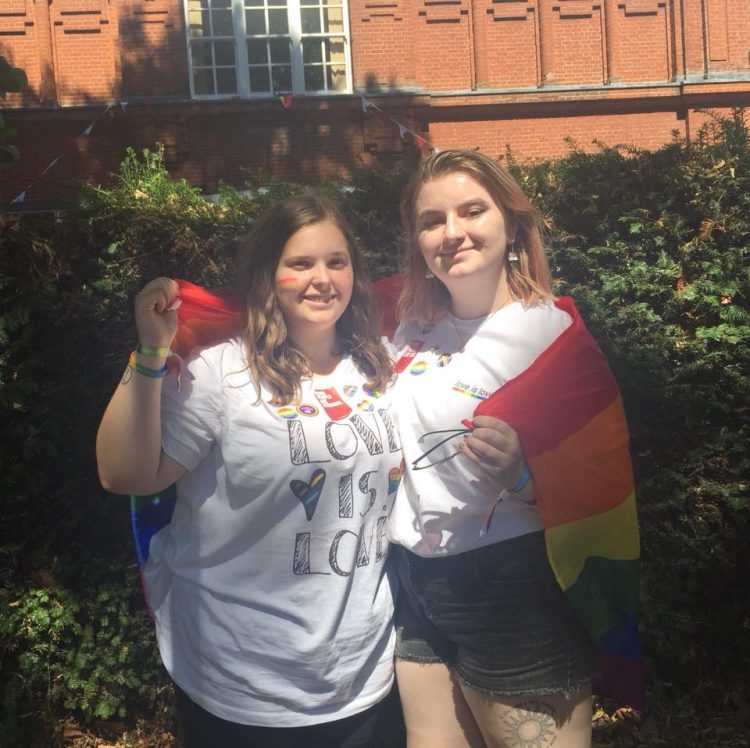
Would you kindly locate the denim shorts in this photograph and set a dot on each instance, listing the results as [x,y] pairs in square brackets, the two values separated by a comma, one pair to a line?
[496,616]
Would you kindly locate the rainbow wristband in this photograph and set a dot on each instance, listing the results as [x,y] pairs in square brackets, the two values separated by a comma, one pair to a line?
[153,350]
[523,479]
[141,369]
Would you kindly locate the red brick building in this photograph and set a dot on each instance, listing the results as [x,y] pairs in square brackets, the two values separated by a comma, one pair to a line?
[203,77]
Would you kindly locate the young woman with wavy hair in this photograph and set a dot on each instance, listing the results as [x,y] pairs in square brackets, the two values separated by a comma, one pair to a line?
[489,651]
[273,609]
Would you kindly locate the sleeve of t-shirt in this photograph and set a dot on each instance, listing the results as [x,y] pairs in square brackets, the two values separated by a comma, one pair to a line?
[191,411]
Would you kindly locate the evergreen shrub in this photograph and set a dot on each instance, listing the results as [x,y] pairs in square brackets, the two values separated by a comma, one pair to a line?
[653,246]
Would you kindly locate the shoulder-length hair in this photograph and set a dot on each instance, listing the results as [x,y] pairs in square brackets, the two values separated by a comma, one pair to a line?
[425,298]
[273,359]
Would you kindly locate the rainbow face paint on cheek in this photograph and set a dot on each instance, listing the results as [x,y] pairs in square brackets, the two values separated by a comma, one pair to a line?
[287,282]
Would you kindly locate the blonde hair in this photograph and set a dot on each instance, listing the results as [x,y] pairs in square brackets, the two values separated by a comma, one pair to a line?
[426,299]
[273,359]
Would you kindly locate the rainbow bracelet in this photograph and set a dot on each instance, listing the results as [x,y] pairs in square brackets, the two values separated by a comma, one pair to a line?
[153,350]
[523,479]
[141,369]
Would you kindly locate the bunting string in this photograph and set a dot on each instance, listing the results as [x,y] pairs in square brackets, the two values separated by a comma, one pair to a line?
[85,133]
[403,130]
[285,99]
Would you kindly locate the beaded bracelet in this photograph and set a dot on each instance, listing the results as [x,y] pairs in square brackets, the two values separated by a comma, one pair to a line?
[153,350]
[141,369]
[523,479]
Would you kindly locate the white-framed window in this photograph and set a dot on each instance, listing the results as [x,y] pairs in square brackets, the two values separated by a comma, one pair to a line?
[263,47]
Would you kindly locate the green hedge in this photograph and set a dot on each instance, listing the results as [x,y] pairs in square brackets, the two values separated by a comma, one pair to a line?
[652,245]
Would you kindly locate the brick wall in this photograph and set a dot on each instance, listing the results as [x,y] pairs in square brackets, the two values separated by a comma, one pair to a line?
[533,137]
[148,26]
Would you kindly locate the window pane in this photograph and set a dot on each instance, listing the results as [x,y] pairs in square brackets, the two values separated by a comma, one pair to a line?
[310,21]
[333,19]
[282,78]
[312,51]
[201,52]
[256,52]
[226,81]
[222,22]
[277,21]
[335,50]
[198,22]
[203,81]
[224,53]
[255,20]
[259,80]
[313,78]
[336,78]
[280,50]
[269,52]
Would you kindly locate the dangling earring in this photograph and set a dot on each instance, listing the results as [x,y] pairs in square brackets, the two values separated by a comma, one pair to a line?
[512,254]
[429,274]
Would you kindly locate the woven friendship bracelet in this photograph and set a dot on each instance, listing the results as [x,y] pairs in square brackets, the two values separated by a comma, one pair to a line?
[141,369]
[523,479]
[153,350]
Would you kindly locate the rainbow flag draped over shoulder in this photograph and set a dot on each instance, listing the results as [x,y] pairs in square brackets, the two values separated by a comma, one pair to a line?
[568,414]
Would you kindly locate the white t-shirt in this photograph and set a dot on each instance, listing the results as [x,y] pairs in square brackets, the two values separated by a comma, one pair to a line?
[272,604]
[442,509]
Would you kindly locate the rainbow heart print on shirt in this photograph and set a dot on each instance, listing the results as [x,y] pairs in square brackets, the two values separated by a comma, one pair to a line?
[309,493]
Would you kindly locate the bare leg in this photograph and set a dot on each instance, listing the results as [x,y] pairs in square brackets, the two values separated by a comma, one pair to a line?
[532,722]
[435,711]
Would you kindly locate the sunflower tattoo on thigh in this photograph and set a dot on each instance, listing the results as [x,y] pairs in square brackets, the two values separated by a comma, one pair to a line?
[530,725]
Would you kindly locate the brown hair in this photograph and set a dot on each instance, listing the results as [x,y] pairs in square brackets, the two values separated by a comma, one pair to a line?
[273,359]
[427,299]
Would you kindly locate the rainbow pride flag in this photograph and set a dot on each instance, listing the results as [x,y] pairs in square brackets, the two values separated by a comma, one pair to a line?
[567,411]
[205,317]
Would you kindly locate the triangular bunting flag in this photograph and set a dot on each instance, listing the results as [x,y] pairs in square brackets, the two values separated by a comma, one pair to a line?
[87,131]
[419,141]
[401,131]
[365,103]
[19,198]
[123,105]
[286,100]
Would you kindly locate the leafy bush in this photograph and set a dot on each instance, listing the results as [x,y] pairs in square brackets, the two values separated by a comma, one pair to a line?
[652,245]
[11,80]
